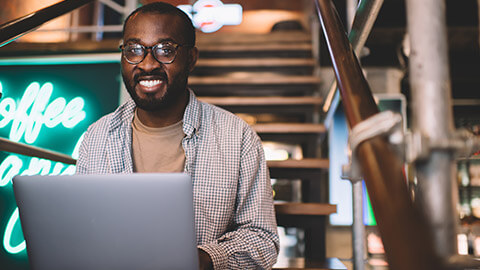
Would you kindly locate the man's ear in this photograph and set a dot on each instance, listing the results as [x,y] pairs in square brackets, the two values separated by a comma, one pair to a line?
[193,58]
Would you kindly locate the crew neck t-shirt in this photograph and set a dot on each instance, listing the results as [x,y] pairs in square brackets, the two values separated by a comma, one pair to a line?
[157,149]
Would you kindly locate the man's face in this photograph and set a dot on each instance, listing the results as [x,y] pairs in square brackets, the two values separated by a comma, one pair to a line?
[152,85]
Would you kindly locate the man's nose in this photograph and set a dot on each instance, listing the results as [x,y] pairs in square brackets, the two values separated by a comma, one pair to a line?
[149,62]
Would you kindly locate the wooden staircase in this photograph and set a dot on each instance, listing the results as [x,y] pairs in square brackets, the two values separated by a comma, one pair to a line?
[267,80]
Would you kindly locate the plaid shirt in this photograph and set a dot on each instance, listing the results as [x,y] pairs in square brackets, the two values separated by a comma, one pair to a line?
[234,216]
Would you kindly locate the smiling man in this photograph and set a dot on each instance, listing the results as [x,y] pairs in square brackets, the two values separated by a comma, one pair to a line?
[165,128]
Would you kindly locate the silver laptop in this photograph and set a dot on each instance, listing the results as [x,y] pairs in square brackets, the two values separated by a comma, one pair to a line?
[127,221]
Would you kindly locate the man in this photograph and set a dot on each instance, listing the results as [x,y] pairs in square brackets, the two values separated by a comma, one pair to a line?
[165,128]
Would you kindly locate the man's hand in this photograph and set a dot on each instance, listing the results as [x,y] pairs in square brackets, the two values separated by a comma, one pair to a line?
[205,260]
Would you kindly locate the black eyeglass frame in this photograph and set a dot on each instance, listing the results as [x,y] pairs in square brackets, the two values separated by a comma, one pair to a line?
[151,48]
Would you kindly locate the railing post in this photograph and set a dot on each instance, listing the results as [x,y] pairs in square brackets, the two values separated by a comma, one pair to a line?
[358,228]
[433,118]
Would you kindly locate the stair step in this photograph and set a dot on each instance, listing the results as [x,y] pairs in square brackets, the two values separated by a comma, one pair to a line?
[258,50]
[247,38]
[272,108]
[302,263]
[263,101]
[288,66]
[308,209]
[253,79]
[307,168]
[254,47]
[303,215]
[306,163]
[289,128]
[256,62]
[254,84]
[290,133]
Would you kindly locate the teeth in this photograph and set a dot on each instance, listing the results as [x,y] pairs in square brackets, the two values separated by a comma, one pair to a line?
[150,83]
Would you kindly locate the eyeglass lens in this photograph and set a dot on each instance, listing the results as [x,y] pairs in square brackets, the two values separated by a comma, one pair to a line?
[163,52]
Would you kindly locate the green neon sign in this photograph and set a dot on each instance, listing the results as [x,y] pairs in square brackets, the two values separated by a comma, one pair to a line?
[49,106]
[28,116]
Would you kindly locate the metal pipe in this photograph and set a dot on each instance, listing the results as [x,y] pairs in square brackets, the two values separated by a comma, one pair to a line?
[405,236]
[14,29]
[365,16]
[478,7]
[130,5]
[432,117]
[358,228]
[113,5]
[86,29]
[98,20]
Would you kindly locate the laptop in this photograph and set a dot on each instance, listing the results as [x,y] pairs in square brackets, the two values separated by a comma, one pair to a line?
[126,221]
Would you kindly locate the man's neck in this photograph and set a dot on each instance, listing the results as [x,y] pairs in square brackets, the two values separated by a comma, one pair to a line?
[164,117]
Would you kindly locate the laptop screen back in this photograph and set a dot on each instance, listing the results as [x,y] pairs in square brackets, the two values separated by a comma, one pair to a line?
[128,221]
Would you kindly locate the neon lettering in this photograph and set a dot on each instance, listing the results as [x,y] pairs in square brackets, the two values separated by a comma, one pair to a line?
[34,111]
[28,117]
[8,235]
[9,168]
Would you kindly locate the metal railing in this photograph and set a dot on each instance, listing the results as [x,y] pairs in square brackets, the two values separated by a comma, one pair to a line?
[408,242]
[418,234]
[14,29]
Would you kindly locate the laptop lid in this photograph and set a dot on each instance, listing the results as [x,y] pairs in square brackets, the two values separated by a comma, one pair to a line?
[127,221]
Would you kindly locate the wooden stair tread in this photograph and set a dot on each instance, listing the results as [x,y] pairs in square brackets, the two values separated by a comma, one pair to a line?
[306,163]
[309,209]
[302,263]
[251,79]
[246,38]
[255,62]
[254,47]
[292,128]
[264,101]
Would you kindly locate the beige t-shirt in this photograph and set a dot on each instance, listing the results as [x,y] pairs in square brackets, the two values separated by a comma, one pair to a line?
[157,149]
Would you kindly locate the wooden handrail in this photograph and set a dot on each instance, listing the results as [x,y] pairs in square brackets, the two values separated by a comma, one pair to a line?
[408,242]
[14,29]
[32,151]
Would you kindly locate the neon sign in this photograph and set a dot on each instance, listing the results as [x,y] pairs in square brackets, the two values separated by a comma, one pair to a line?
[48,101]
[211,15]
[27,117]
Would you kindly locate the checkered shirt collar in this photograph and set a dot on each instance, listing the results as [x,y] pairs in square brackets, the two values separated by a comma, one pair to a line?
[191,118]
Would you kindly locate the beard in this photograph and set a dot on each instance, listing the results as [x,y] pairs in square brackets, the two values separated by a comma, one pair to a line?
[174,91]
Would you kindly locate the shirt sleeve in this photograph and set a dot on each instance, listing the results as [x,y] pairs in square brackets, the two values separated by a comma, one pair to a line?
[254,242]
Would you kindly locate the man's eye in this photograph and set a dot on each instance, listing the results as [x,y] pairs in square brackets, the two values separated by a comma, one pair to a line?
[165,51]
[135,50]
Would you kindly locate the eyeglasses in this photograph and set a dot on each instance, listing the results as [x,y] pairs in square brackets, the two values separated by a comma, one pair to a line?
[164,52]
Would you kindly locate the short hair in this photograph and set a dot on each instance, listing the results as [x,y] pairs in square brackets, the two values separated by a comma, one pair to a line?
[165,8]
